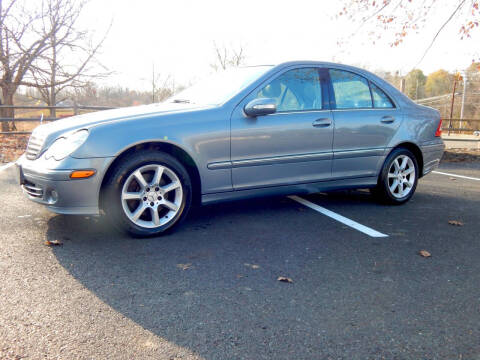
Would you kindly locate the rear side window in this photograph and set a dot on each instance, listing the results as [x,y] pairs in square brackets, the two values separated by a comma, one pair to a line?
[295,90]
[380,99]
[351,90]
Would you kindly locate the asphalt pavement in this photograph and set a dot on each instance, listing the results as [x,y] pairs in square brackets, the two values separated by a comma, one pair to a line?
[210,291]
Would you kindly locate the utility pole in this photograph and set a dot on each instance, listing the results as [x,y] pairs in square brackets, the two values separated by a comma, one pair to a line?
[402,85]
[463,97]
[453,101]
[153,83]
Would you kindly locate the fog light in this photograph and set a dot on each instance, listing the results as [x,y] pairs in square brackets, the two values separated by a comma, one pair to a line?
[52,197]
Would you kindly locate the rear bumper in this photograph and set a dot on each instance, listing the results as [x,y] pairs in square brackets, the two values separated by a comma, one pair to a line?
[432,154]
[54,188]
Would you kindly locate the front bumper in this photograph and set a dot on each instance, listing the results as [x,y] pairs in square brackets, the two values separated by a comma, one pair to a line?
[48,183]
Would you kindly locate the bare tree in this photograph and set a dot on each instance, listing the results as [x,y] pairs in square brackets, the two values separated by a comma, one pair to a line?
[70,51]
[21,43]
[163,91]
[225,57]
[34,41]
[400,18]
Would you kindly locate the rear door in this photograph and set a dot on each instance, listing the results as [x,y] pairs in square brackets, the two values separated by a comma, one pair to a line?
[366,119]
[293,145]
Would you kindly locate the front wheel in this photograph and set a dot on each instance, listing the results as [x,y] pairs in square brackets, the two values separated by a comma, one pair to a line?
[399,177]
[147,193]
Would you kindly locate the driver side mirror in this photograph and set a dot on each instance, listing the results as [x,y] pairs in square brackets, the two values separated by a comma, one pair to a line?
[259,107]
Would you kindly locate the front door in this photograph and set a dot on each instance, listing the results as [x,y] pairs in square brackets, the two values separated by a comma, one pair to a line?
[293,145]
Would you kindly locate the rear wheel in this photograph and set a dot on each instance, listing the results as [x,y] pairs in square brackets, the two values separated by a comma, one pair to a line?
[399,177]
[147,193]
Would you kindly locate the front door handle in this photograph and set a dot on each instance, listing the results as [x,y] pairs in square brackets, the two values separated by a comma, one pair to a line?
[323,122]
[387,119]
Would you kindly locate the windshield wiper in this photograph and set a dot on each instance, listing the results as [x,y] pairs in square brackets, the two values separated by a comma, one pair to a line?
[181,101]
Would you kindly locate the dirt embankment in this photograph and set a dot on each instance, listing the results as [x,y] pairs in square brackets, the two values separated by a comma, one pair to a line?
[461,155]
[12,146]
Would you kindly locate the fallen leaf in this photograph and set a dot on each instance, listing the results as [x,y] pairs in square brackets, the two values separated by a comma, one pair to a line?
[424,253]
[184,266]
[53,243]
[455,223]
[285,279]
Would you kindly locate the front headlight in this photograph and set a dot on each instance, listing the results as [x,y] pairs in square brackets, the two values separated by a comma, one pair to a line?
[64,146]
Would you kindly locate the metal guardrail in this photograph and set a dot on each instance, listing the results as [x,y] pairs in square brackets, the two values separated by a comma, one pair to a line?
[455,125]
[58,107]
[458,125]
[76,109]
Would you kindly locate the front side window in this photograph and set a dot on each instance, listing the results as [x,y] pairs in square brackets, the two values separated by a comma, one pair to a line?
[295,90]
[351,90]
[380,99]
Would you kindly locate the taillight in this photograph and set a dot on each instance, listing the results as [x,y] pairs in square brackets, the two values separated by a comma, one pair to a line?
[439,129]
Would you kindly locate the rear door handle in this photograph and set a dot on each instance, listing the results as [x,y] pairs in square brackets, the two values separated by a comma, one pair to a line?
[323,122]
[387,119]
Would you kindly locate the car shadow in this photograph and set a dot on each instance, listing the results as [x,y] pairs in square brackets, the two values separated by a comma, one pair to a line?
[211,286]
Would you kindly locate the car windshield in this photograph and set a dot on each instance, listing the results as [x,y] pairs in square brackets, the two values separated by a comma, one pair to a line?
[220,86]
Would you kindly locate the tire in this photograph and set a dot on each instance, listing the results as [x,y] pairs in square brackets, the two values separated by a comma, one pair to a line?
[397,181]
[145,183]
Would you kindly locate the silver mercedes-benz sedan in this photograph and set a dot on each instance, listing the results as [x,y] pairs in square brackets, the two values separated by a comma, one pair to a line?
[298,127]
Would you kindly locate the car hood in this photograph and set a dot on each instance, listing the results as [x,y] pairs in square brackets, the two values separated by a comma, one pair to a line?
[55,129]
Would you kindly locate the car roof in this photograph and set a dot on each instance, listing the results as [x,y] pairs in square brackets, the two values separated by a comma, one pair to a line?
[307,62]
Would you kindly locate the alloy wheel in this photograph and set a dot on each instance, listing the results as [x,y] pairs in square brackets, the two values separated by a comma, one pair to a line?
[401,176]
[152,196]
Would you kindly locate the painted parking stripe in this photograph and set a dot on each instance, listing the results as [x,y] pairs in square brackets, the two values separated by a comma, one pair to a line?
[5,167]
[353,224]
[455,175]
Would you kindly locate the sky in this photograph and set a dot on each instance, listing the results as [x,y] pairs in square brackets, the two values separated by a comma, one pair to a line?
[177,38]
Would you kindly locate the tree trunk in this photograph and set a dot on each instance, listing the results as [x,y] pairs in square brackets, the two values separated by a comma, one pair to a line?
[7,112]
[53,77]
[53,102]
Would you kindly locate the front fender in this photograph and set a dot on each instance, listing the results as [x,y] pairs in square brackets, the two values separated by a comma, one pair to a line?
[203,135]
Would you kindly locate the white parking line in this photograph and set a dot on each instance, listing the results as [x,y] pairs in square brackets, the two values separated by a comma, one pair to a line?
[455,175]
[362,228]
[5,167]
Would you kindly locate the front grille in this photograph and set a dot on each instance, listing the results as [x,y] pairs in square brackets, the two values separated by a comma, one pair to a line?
[35,144]
[33,189]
